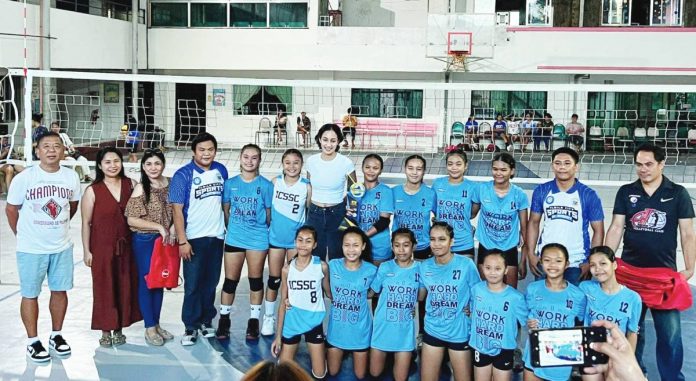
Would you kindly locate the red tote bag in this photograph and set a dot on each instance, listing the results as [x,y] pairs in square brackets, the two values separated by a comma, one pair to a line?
[164,266]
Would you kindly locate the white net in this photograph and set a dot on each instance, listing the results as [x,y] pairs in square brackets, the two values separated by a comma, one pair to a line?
[393,118]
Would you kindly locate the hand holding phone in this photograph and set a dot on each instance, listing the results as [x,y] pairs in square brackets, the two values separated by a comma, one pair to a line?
[567,346]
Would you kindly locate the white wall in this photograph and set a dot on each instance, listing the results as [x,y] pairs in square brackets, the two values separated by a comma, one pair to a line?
[79,41]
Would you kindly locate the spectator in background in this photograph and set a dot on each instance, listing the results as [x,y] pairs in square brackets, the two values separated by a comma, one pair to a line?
[72,154]
[9,170]
[543,133]
[350,122]
[37,130]
[471,129]
[281,125]
[500,130]
[304,125]
[527,127]
[576,133]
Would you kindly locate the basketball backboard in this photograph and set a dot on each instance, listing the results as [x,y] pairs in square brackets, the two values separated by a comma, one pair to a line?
[442,28]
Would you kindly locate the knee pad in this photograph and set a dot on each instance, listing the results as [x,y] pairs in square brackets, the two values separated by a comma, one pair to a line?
[273,283]
[256,284]
[229,286]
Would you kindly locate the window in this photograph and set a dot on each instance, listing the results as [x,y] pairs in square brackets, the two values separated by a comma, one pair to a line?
[248,15]
[666,12]
[208,14]
[169,14]
[539,12]
[261,100]
[380,103]
[616,12]
[288,15]
[486,104]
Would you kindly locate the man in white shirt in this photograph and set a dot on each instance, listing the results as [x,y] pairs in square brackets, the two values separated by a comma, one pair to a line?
[40,203]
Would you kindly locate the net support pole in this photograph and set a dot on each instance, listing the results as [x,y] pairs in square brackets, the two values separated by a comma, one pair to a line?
[45,44]
[28,83]
[134,57]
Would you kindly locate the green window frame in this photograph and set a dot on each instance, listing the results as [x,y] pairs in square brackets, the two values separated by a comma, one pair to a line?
[208,15]
[248,15]
[387,103]
[288,15]
[169,14]
[509,102]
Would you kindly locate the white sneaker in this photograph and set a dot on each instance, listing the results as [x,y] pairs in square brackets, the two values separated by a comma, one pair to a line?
[189,338]
[269,323]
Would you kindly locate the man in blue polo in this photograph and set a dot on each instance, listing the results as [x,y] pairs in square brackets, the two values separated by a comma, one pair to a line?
[647,213]
[196,196]
[569,208]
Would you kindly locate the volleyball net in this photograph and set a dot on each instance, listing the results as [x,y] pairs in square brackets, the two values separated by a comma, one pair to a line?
[394,118]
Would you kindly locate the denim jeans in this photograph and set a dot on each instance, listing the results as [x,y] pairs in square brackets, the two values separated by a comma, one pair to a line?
[201,276]
[538,140]
[150,300]
[669,350]
[571,274]
[326,222]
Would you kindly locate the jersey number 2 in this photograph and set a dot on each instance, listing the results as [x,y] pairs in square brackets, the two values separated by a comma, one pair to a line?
[295,208]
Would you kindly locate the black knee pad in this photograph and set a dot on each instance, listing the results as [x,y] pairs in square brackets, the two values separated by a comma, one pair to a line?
[273,283]
[256,284]
[229,286]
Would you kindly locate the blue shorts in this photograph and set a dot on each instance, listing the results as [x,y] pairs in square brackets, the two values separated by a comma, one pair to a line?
[32,269]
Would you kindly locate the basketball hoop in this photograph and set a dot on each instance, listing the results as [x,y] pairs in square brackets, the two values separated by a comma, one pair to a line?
[458,48]
[457,61]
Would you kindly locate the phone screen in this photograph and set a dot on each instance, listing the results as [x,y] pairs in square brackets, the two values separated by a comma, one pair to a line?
[561,347]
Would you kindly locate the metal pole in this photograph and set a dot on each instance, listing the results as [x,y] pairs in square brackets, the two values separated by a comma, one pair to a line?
[134,56]
[45,46]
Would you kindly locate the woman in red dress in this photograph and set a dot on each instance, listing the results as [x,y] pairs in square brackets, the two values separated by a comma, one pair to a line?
[107,249]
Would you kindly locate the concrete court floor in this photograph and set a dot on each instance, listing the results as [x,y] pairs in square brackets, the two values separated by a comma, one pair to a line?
[208,359]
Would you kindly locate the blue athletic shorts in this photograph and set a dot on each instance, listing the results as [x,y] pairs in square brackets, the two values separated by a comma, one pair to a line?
[33,268]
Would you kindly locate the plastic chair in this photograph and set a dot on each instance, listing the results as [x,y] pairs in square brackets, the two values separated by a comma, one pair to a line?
[558,134]
[457,132]
[265,127]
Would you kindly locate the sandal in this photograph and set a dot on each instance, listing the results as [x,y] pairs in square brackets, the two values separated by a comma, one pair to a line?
[105,341]
[154,340]
[118,338]
[166,335]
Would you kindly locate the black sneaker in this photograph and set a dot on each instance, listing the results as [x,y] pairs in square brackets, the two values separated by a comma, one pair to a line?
[252,332]
[37,352]
[189,338]
[58,344]
[223,329]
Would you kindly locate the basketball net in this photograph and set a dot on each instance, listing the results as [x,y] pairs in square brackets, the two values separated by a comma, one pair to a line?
[457,61]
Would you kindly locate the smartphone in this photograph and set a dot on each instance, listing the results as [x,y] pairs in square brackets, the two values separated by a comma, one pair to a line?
[566,346]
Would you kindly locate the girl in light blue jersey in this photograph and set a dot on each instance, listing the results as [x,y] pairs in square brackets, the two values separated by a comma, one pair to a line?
[350,322]
[302,283]
[609,300]
[394,329]
[246,201]
[454,205]
[553,303]
[375,209]
[291,195]
[502,222]
[447,278]
[496,310]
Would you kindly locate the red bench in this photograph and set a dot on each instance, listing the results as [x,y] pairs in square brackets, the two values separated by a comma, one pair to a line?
[420,129]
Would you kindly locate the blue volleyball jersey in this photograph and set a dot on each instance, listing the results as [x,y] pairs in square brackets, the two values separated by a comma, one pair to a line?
[394,329]
[499,125]
[413,212]
[622,308]
[454,207]
[375,201]
[306,297]
[553,309]
[449,291]
[499,217]
[494,318]
[350,323]
[248,202]
[287,211]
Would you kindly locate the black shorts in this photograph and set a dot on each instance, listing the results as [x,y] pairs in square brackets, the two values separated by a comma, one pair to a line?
[510,255]
[234,249]
[313,336]
[328,346]
[503,361]
[576,140]
[423,254]
[435,342]
[468,252]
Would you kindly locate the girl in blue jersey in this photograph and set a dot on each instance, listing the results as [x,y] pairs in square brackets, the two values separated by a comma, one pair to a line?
[609,300]
[246,201]
[375,209]
[350,322]
[496,310]
[454,195]
[394,329]
[502,222]
[291,195]
[553,303]
[447,278]
[303,280]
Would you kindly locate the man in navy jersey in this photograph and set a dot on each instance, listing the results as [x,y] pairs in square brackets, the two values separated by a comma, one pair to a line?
[569,208]
[647,214]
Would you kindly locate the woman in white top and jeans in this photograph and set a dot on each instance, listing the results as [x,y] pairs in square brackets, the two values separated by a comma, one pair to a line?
[329,173]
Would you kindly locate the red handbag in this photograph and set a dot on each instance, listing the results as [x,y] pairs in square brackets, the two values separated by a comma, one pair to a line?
[164,266]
